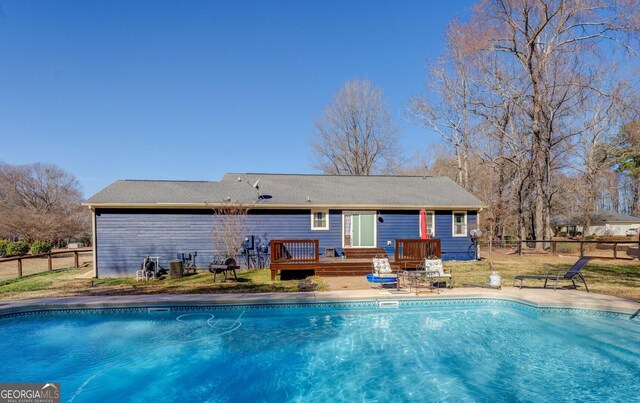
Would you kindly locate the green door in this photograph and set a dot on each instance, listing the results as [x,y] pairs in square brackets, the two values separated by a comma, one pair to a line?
[363,230]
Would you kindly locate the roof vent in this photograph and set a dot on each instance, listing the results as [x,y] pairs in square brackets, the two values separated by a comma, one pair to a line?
[308,199]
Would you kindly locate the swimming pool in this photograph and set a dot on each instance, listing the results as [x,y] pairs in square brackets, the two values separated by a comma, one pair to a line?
[445,349]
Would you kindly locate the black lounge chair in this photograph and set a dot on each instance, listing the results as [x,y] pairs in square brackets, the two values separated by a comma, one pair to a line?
[570,275]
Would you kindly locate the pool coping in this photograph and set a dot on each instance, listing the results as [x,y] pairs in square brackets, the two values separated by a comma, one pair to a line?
[538,298]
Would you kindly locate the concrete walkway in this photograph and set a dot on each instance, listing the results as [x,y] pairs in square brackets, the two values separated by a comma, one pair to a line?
[540,297]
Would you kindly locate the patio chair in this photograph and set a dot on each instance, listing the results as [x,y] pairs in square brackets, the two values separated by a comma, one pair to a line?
[382,272]
[570,275]
[188,262]
[435,271]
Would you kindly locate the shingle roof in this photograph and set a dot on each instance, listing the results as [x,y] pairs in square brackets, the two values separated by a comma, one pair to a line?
[597,217]
[293,190]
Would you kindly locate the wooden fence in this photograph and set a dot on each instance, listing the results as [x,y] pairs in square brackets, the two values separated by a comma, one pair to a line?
[20,259]
[552,247]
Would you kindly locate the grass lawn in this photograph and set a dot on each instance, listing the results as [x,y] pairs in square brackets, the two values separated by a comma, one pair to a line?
[619,278]
[614,277]
[59,283]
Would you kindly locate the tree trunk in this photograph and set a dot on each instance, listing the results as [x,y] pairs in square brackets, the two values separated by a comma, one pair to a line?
[636,195]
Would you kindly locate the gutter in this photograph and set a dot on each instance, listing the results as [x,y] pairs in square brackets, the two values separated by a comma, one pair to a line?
[279,206]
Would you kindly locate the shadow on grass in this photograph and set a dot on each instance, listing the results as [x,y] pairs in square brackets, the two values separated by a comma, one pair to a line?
[255,281]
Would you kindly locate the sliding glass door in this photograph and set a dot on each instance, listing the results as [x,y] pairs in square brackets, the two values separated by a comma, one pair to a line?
[359,229]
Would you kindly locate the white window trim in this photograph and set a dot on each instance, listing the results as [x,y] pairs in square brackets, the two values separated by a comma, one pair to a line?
[453,224]
[431,229]
[326,227]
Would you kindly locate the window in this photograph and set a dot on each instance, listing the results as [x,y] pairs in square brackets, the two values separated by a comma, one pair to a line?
[459,223]
[319,220]
[431,224]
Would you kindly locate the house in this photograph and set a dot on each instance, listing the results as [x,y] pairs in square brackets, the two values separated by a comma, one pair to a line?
[602,223]
[137,218]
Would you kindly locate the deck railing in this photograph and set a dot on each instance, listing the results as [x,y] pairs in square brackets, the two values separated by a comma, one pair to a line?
[294,254]
[416,250]
[295,250]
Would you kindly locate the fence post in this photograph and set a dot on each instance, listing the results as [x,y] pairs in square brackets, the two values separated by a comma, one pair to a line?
[19,267]
[520,248]
[75,259]
[615,250]
[554,249]
[581,248]
[49,262]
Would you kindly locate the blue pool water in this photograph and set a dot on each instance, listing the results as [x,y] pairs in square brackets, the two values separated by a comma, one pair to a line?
[481,351]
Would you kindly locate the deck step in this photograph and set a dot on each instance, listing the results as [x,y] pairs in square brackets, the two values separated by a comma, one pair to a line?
[345,268]
[364,253]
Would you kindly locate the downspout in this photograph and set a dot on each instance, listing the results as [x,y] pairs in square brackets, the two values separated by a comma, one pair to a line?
[478,227]
[95,243]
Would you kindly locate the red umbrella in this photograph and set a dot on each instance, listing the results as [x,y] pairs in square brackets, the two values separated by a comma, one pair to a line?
[423,225]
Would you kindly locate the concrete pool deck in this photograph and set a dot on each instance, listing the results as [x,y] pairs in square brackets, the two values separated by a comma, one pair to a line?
[536,296]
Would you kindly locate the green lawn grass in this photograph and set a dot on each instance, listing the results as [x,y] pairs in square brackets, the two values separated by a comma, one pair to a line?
[614,277]
[63,283]
[620,278]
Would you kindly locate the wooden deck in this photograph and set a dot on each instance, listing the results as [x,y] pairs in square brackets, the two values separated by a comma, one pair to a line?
[303,254]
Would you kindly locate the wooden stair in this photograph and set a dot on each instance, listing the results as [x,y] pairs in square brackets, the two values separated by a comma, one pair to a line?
[345,268]
[364,253]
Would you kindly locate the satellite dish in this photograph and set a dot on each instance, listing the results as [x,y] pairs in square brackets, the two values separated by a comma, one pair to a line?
[255,185]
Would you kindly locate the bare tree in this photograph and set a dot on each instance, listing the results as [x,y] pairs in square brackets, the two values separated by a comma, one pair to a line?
[628,163]
[449,112]
[556,44]
[597,145]
[41,202]
[356,135]
[231,226]
[521,73]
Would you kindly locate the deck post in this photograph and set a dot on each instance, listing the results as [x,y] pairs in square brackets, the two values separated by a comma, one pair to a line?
[75,259]
[554,249]
[615,250]
[581,248]
[49,263]
[19,267]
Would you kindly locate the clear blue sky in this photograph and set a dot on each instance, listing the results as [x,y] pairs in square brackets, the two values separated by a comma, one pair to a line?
[190,90]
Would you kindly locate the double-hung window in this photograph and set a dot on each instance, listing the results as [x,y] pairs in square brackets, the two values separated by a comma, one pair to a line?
[459,223]
[319,220]
[431,224]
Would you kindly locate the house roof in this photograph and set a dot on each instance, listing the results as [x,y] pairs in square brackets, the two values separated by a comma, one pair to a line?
[290,190]
[597,218]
